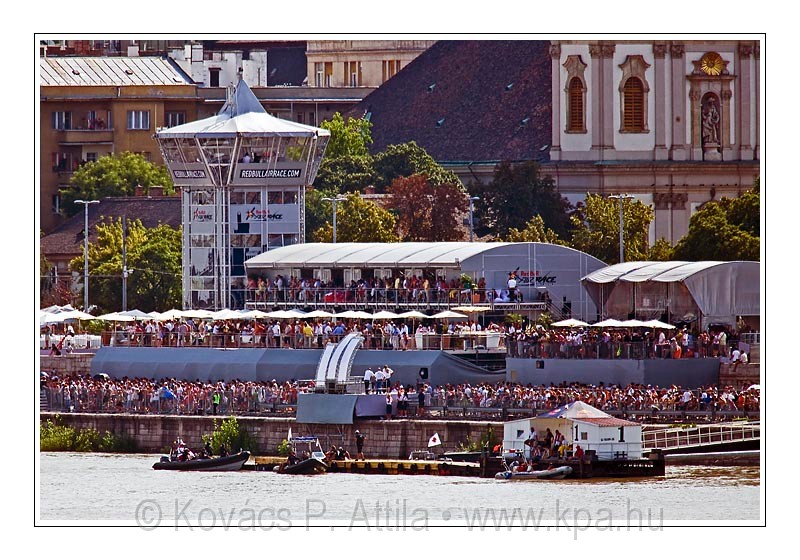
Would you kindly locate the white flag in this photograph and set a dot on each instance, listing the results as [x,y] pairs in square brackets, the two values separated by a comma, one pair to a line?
[290,433]
[434,440]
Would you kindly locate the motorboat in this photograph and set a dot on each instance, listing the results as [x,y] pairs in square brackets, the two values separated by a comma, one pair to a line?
[305,459]
[227,463]
[555,473]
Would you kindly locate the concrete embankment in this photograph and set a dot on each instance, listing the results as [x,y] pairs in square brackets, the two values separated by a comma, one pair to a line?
[384,438]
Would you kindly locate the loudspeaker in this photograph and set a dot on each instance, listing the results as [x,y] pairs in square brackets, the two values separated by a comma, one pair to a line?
[423,373]
[539,364]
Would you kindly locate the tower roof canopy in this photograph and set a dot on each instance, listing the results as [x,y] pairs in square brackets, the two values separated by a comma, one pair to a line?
[242,115]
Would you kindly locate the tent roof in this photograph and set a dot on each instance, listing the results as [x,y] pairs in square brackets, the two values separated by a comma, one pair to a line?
[369,254]
[576,410]
[649,271]
[241,115]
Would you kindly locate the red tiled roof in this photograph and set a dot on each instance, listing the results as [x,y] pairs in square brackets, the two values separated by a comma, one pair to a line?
[67,239]
[467,101]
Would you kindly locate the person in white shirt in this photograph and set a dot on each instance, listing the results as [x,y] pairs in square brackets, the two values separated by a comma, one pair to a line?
[367,378]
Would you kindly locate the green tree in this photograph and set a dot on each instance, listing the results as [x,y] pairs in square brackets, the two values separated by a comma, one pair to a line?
[534,231]
[348,138]
[727,230]
[515,194]
[596,228]
[660,251]
[154,254]
[405,160]
[344,173]
[359,221]
[113,175]
[428,212]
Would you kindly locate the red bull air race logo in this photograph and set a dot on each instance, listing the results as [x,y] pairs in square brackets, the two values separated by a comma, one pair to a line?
[254,215]
[200,215]
[534,278]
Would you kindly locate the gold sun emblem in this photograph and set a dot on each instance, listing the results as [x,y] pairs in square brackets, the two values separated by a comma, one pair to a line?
[711,64]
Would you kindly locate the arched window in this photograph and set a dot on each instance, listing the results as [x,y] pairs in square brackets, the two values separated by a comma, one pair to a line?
[576,121]
[633,106]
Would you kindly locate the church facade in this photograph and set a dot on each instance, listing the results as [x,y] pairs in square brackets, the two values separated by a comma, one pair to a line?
[674,123]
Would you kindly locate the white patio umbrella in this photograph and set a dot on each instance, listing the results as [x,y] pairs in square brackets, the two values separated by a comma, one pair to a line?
[285,314]
[198,313]
[255,314]
[656,324]
[226,314]
[355,315]
[171,314]
[320,314]
[64,316]
[609,323]
[413,315]
[385,315]
[137,314]
[472,308]
[449,315]
[116,318]
[570,323]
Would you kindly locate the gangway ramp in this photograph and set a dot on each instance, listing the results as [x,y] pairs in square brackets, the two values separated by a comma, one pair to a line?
[703,437]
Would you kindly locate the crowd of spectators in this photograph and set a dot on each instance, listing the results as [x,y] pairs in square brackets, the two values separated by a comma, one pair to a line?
[74,393]
[516,339]
[395,289]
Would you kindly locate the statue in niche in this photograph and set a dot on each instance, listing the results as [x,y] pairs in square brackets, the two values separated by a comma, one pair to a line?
[711,121]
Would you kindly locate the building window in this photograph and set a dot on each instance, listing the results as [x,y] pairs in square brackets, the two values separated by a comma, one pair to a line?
[633,92]
[323,73]
[576,121]
[56,203]
[575,91]
[91,156]
[390,68]
[633,106]
[138,120]
[311,120]
[300,117]
[352,73]
[62,120]
[175,118]
[62,162]
[213,78]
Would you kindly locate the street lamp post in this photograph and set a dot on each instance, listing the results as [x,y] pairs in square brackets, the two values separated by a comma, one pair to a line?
[621,198]
[334,201]
[472,199]
[86,204]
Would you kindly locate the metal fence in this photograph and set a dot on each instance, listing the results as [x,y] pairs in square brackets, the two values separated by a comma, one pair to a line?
[435,407]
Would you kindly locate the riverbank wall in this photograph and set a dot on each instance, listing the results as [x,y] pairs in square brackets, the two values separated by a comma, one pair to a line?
[384,438]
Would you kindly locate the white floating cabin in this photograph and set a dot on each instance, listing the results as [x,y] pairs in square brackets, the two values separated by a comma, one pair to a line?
[581,424]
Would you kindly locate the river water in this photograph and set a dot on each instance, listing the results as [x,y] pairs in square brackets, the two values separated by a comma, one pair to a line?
[123,489]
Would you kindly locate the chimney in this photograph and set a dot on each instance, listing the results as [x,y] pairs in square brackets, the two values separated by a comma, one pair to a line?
[369,189]
[156,191]
[139,191]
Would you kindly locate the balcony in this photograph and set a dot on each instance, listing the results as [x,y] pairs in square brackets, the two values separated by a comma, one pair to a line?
[77,136]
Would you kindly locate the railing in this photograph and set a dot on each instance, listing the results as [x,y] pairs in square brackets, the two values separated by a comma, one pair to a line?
[365,297]
[436,407]
[489,341]
[708,434]
[155,402]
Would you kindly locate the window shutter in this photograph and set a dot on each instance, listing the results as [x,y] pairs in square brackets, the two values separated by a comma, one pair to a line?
[633,119]
[575,105]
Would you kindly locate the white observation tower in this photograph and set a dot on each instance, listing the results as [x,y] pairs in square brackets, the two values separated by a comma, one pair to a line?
[242,175]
